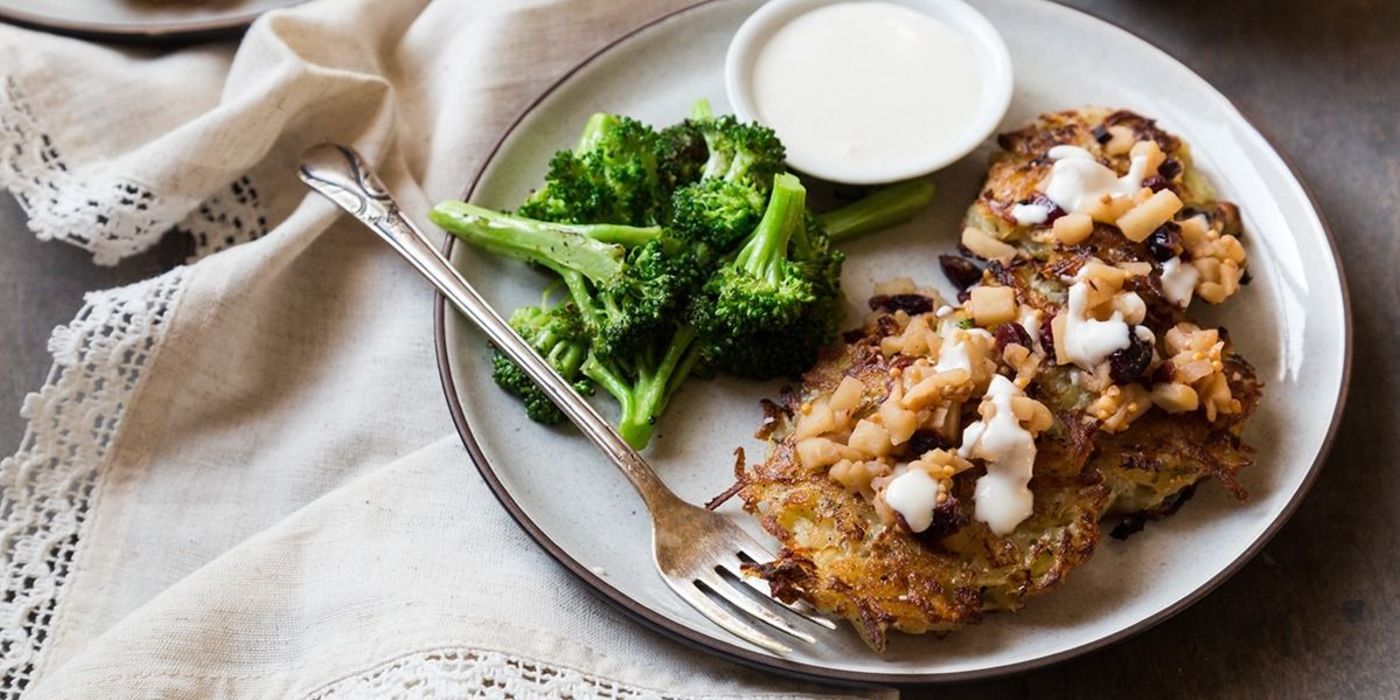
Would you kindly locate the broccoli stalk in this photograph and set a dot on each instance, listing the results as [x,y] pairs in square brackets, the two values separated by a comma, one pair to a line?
[644,388]
[883,208]
[557,334]
[625,294]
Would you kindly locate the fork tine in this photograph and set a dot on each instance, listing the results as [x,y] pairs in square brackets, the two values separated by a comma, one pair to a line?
[743,601]
[692,594]
[799,608]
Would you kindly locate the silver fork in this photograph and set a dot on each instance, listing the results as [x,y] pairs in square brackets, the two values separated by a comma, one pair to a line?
[698,553]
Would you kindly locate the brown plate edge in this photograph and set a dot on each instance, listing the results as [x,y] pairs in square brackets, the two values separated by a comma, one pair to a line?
[811,672]
[171,32]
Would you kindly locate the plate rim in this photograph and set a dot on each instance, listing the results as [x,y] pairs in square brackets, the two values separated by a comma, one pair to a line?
[170,31]
[811,672]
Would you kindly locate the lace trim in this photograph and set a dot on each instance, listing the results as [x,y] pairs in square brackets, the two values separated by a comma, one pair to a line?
[111,218]
[47,486]
[469,673]
[226,220]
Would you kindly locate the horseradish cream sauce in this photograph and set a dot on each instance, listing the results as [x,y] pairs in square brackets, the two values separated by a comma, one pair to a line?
[1003,496]
[868,83]
[1077,180]
[914,495]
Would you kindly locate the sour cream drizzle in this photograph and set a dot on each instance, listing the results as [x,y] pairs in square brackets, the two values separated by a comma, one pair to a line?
[1028,214]
[1077,180]
[913,494]
[953,354]
[1179,281]
[1089,341]
[1003,496]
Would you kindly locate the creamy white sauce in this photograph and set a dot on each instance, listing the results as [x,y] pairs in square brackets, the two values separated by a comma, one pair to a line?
[1030,320]
[1179,281]
[1028,214]
[953,353]
[943,311]
[1003,497]
[873,84]
[1077,180]
[1089,341]
[913,494]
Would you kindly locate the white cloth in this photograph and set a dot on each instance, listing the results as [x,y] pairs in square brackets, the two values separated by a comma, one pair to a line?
[240,479]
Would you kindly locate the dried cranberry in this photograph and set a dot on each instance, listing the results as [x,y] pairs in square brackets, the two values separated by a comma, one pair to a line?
[1169,168]
[923,440]
[1165,243]
[1156,183]
[1126,365]
[1164,372]
[948,518]
[1047,338]
[1054,211]
[960,271]
[964,295]
[1012,332]
[1246,278]
[1101,134]
[908,303]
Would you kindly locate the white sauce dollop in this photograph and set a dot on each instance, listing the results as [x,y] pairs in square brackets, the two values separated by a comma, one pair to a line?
[1030,320]
[1003,496]
[1089,341]
[913,494]
[1028,214]
[953,353]
[872,84]
[1179,281]
[1077,180]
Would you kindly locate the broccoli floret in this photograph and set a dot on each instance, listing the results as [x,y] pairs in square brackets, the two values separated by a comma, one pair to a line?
[610,177]
[556,332]
[680,155]
[725,204]
[768,312]
[644,383]
[626,292]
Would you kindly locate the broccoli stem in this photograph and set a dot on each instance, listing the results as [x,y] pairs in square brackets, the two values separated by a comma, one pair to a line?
[644,398]
[764,254]
[881,209]
[595,250]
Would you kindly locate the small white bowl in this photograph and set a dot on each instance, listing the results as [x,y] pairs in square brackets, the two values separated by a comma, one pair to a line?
[992,55]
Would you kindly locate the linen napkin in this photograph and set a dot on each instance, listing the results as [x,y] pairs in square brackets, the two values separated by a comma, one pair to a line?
[240,479]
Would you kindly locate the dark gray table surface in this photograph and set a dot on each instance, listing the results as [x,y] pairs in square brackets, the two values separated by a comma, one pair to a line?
[1317,614]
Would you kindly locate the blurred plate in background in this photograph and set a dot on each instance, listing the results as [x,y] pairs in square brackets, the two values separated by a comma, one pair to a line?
[154,21]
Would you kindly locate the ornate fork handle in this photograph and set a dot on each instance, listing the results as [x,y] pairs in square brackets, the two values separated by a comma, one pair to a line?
[339,173]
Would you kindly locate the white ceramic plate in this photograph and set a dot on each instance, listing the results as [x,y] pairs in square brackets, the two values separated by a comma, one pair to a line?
[138,20]
[1292,322]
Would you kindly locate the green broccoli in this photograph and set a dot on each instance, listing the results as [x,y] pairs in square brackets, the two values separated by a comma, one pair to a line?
[881,209]
[725,204]
[767,312]
[644,382]
[625,295]
[556,332]
[611,177]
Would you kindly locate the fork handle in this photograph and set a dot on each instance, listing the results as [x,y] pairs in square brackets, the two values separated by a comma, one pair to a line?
[339,173]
